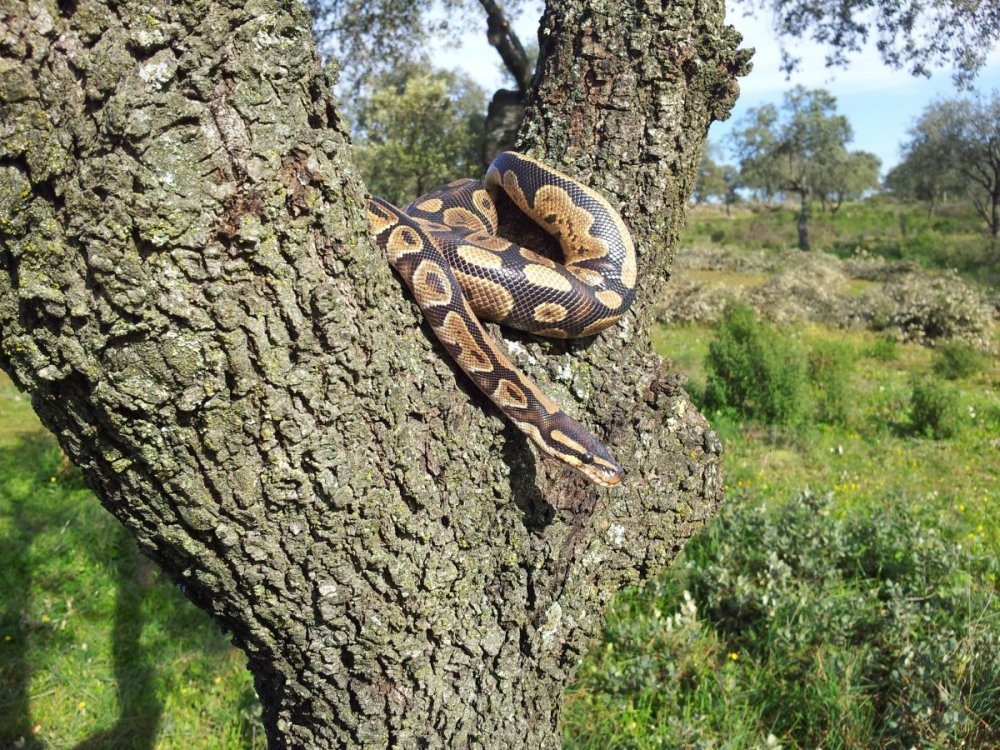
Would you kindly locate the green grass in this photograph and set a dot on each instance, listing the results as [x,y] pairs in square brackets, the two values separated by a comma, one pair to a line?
[876,453]
[97,650]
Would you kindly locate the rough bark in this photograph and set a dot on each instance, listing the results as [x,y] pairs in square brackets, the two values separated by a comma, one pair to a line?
[189,293]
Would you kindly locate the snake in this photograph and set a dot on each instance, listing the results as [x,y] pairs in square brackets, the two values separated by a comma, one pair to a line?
[446,248]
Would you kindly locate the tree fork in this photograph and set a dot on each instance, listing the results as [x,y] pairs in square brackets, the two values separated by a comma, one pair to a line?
[189,292]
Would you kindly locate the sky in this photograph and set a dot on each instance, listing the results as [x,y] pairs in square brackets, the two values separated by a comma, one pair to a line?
[880,103]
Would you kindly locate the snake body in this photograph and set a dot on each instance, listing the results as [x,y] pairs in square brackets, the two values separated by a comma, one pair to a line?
[445,247]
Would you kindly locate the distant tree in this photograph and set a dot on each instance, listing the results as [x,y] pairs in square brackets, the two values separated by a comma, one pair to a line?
[716,181]
[415,129]
[922,176]
[849,178]
[369,37]
[709,183]
[731,177]
[956,144]
[800,150]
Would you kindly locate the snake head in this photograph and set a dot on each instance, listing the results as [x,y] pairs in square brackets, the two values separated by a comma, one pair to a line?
[572,443]
[603,470]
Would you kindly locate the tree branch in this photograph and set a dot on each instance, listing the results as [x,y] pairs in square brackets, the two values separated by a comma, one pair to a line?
[501,35]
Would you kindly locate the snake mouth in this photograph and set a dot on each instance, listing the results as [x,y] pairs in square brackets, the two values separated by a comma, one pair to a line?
[599,470]
[602,477]
[604,471]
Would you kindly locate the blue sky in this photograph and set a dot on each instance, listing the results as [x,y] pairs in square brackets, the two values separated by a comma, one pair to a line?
[880,103]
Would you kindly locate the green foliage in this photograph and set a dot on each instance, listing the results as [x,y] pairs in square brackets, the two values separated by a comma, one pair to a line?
[830,365]
[933,409]
[885,349]
[915,35]
[719,181]
[813,627]
[417,129]
[370,37]
[861,618]
[953,147]
[874,456]
[955,360]
[755,371]
[877,601]
[850,176]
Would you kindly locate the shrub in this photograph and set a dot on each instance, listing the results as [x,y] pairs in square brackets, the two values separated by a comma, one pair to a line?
[955,360]
[933,409]
[828,630]
[754,371]
[874,605]
[884,349]
[926,308]
[830,364]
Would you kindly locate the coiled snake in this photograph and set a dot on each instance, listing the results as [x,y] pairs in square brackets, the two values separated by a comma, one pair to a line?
[445,247]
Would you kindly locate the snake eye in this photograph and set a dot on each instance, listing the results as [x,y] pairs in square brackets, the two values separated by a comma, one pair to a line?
[587,458]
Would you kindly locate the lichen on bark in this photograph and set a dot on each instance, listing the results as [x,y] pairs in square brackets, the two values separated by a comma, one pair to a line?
[189,293]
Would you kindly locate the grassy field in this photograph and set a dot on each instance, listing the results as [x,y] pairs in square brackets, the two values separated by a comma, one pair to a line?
[950,237]
[845,598]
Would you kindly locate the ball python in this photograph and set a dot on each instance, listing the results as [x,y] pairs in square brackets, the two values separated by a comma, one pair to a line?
[445,247]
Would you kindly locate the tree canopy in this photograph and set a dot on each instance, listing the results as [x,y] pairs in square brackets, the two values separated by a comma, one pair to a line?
[716,180]
[851,174]
[369,38]
[955,146]
[415,129]
[908,34]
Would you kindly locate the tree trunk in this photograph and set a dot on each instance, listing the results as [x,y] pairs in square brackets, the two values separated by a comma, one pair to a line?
[803,225]
[190,294]
[994,221]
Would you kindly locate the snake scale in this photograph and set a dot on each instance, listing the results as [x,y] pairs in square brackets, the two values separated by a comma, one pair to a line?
[445,247]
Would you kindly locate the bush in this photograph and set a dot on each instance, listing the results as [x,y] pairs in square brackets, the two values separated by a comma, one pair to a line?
[866,630]
[955,361]
[933,409]
[754,371]
[876,606]
[926,308]
[830,364]
[885,350]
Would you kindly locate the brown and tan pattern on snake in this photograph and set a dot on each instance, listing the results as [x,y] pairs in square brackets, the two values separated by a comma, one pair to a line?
[444,245]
